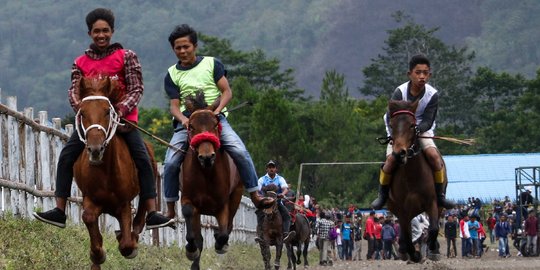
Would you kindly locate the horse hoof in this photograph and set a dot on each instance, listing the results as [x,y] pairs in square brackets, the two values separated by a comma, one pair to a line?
[223,250]
[101,260]
[193,255]
[133,254]
[434,257]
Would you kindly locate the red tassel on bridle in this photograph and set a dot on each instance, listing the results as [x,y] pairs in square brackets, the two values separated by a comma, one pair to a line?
[205,137]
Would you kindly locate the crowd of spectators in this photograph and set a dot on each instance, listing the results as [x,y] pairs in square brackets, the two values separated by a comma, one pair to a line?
[480,226]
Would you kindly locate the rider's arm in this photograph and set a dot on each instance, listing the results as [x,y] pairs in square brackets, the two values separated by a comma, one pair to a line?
[429,114]
[73,92]
[134,84]
[173,93]
[223,85]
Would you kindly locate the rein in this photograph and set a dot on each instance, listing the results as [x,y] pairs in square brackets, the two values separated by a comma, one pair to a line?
[114,121]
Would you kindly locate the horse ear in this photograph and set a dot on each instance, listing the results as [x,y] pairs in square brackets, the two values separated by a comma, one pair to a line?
[215,104]
[82,86]
[112,91]
[190,106]
[414,105]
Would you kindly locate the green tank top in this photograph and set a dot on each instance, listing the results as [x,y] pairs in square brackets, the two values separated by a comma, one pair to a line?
[199,77]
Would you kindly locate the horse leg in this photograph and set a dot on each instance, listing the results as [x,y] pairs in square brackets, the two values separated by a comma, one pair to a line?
[222,234]
[191,249]
[405,241]
[265,253]
[127,240]
[306,247]
[433,231]
[279,249]
[140,217]
[90,217]
[291,260]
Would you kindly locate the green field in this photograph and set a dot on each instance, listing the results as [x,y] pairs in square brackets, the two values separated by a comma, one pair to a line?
[34,245]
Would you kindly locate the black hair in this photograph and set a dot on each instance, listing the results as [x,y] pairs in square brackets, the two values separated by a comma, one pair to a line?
[183,31]
[100,14]
[322,214]
[418,60]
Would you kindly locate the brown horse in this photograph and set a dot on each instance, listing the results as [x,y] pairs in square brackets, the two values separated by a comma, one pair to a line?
[412,188]
[210,181]
[270,231]
[107,179]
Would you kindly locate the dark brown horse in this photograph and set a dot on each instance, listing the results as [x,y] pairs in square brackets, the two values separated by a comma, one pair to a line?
[412,188]
[270,231]
[108,180]
[210,181]
[300,241]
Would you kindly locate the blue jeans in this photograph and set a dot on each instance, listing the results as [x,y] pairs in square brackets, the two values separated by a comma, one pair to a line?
[466,246]
[503,245]
[230,142]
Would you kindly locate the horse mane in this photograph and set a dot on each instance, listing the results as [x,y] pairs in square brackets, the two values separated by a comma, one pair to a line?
[198,102]
[399,105]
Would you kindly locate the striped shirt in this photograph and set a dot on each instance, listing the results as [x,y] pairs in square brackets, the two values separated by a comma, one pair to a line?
[133,78]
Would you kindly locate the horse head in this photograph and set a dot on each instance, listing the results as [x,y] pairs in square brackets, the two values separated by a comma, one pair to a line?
[270,191]
[203,129]
[403,129]
[96,120]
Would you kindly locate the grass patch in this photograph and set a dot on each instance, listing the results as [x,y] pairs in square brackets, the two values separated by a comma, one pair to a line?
[28,244]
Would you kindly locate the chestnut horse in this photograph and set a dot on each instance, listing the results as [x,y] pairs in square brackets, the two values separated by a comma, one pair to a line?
[210,181]
[104,172]
[270,231]
[412,189]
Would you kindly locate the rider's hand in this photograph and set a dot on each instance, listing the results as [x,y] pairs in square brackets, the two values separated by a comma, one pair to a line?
[281,196]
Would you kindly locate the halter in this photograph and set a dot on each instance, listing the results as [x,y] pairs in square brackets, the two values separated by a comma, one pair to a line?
[195,141]
[412,150]
[114,121]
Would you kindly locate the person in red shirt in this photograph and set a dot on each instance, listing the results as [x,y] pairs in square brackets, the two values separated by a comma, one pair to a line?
[104,58]
[491,221]
[378,238]
[370,235]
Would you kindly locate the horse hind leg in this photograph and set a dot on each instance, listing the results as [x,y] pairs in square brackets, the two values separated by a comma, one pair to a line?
[222,233]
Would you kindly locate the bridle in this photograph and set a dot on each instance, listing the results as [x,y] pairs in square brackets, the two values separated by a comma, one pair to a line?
[212,137]
[413,150]
[114,121]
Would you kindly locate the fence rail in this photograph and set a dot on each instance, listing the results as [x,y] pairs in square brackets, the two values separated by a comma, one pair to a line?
[29,153]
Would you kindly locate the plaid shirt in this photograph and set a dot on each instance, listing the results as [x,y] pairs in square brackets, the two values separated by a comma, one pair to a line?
[322,228]
[133,79]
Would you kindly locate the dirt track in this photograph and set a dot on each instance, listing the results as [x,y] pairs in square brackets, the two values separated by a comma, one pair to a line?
[490,260]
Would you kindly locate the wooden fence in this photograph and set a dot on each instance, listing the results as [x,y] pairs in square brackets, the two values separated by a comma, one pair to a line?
[30,150]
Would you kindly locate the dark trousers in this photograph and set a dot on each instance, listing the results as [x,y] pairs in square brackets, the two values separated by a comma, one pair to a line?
[73,149]
[371,247]
[451,241]
[347,249]
[388,249]
[466,245]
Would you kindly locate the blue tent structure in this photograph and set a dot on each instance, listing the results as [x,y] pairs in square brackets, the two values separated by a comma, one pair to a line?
[487,176]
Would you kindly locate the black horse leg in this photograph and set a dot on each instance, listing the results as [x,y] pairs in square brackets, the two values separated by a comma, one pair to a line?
[433,231]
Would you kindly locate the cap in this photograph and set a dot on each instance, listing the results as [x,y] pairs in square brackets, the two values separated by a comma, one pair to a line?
[271,163]
[528,189]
